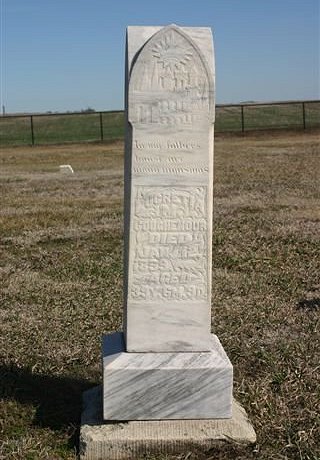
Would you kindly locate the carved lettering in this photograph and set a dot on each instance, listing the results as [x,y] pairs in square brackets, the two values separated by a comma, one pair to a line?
[169,144]
[170,170]
[170,244]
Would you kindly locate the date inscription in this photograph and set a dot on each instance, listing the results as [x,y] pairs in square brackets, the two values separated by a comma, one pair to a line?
[169,244]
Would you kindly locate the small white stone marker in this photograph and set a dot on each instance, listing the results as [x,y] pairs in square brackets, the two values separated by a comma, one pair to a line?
[66,169]
[167,365]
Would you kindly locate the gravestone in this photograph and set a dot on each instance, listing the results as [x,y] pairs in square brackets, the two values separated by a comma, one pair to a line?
[166,364]
[165,375]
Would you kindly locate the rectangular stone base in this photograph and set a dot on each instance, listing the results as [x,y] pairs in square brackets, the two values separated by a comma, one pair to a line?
[160,386]
[137,439]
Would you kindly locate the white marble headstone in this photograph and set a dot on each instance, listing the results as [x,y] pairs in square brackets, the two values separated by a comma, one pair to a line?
[166,365]
[168,195]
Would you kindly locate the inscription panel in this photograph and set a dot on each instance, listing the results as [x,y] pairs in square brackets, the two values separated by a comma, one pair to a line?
[170,246]
[163,156]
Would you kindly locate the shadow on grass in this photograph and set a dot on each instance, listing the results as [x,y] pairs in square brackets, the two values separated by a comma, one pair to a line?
[58,403]
[57,400]
[309,304]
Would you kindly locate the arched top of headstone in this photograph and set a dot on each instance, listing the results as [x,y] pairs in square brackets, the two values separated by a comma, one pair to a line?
[170,71]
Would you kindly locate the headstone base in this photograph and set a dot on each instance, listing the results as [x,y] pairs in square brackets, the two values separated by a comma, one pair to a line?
[162,386]
[133,440]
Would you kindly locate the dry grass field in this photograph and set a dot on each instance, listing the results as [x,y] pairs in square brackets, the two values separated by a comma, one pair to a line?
[61,289]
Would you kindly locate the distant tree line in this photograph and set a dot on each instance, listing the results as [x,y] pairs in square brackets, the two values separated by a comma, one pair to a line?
[87,110]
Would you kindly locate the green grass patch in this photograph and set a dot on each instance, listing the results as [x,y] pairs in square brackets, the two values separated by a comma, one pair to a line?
[57,129]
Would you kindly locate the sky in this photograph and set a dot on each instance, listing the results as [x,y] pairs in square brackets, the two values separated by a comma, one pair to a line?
[59,55]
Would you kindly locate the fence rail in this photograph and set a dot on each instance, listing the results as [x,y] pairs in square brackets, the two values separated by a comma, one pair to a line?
[53,128]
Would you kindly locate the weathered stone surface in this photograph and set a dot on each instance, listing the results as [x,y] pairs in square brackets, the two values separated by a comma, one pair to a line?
[168,189]
[132,440]
[155,386]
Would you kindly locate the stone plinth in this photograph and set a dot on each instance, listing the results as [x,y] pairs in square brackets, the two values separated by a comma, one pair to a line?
[135,439]
[153,386]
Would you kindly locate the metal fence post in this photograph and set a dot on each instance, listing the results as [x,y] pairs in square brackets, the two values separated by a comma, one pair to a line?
[242,119]
[32,130]
[304,115]
[101,127]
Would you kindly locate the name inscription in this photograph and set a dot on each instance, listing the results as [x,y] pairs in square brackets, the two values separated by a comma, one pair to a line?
[169,240]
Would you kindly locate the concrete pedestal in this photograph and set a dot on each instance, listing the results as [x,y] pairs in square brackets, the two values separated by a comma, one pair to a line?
[133,440]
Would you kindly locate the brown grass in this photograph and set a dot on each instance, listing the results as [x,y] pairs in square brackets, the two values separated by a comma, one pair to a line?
[61,288]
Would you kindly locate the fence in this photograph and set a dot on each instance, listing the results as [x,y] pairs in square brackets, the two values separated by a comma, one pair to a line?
[108,125]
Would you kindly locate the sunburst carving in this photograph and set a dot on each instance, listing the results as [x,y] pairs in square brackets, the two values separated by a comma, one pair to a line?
[171,54]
